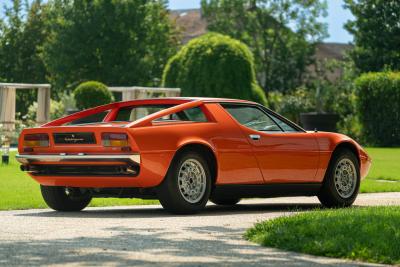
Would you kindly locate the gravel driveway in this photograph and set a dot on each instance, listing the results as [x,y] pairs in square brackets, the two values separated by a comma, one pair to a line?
[146,235]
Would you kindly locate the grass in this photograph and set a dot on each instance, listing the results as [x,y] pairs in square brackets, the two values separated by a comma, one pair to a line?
[369,234]
[19,191]
[384,175]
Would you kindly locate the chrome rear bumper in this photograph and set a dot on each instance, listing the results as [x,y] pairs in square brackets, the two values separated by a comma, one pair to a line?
[31,159]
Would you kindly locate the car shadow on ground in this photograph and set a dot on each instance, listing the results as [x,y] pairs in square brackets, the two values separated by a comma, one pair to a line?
[158,211]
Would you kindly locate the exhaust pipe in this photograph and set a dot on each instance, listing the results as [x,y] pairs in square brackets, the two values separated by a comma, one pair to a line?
[27,168]
[24,168]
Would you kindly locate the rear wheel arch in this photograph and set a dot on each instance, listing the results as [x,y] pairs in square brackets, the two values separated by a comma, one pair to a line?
[204,150]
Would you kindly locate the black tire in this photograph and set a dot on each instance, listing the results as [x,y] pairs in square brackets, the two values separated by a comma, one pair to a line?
[224,201]
[329,195]
[170,195]
[56,197]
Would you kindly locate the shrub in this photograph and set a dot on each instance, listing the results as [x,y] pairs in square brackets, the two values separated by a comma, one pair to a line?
[214,65]
[292,104]
[379,107]
[91,94]
[57,110]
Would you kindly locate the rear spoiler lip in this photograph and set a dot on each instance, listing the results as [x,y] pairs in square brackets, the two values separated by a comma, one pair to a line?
[78,115]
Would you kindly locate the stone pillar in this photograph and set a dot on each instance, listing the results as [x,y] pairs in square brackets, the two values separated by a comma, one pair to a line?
[7,109]
[128,94]
[43,100]
[139,94]
[172,93]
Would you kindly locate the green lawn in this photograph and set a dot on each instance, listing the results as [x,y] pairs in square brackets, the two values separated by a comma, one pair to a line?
[19,191]
[368,234]
[384,175]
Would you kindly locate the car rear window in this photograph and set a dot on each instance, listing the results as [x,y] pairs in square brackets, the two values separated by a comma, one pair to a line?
[94,118]
[137,112]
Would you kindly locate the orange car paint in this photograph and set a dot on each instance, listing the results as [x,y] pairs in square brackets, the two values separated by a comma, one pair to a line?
[278,158]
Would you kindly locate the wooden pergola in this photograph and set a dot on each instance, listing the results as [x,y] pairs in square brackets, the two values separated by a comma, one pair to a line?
[137,92]
[7,103]
[8,97]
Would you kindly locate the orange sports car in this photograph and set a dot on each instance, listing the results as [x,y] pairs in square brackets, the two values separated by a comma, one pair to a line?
[186,151]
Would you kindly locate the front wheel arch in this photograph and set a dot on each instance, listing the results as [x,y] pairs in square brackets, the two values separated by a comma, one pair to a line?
[346,145]
[328,194]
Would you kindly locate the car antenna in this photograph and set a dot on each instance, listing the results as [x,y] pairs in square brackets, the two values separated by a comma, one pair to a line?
[315,130]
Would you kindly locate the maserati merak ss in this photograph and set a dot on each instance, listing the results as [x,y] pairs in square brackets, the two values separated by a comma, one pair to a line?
[186,151]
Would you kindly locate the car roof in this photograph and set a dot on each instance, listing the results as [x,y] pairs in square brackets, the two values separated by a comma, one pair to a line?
[168,100]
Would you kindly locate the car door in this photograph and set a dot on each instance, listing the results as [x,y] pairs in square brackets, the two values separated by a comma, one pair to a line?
[284,153]
[237,163]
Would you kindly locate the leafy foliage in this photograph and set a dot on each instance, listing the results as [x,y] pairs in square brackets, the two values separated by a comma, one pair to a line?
[214,65]
[292,104]
[337,95]
[281,34]
[116,42]
[92,94]
[376,31]
[21,43]
[379,107]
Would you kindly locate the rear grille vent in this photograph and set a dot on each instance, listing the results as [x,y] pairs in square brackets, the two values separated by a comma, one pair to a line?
[74,138]
[83,170]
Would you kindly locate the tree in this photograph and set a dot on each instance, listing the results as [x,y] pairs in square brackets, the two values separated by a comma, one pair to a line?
[21,38]
[11,35]
[115,42]
[281,34]
[214,65]
[376,31]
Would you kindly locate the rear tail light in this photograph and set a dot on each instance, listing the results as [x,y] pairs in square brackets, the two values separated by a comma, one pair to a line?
[36,140]
[114,139]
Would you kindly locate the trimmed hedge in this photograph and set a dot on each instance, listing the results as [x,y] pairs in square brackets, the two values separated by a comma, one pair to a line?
[92,94]
[379,107]
[214,65]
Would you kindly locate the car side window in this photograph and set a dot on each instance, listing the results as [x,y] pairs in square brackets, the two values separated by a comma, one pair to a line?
[286,127]
[252,117]
[191,114]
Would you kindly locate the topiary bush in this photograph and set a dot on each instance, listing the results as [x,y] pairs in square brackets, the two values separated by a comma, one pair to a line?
[91,94]
[378,103]
[214,65]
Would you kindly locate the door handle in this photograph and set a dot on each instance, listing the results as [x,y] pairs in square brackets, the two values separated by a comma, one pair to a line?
[255,136]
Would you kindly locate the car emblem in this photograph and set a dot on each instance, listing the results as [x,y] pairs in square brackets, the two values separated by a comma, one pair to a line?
[73,139]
